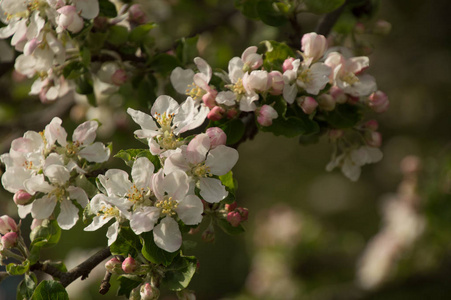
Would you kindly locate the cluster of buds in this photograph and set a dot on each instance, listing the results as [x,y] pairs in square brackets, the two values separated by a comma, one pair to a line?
[9,231]
[236,215]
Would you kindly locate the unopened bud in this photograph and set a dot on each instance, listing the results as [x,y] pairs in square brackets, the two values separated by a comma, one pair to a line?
[234,218]
[114,265]
[335,134]
[21,197]
[382,27]
[69,19]
[326,102]
[277,83]
[266,114]
[216,113]
[313,45]
[9,240]
[36,223]
[129,265]
[230,207]
[148,292]
[288,64]
[136,14]
[7,224]
[209,99]
[378,101]
[186,295]
[372,125]
[217,136]
[308,104]
[119,77]
[338,94]
[373,139]
[244,213]
[231,113]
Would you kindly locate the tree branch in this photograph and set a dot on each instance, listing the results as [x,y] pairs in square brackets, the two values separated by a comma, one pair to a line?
[105,285]
[328,21]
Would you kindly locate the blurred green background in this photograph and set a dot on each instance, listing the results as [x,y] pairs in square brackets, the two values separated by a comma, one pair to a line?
[307,228]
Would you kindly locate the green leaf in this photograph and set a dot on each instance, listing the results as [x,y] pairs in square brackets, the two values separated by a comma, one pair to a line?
[127,242]
[323,6]
[164,63]
[73,70]
[139,34]
[292,126]
[118,35]
[85,56]
[180,272]
[154,253]
[48,232]
[228,228]
[275,55]
[107,9]
[270,13]
[231,186]
[84,84]
[82,182]
[130,155]
[127,283]
[343,116]
[26,287]
[234,129]
[186,49]
[50,290]
[15,269]
[248,8]
[35,251]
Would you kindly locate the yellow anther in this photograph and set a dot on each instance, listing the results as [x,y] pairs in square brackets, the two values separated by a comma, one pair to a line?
[238,87]
[194,91]
[167,206]
[350,78]
[305,76]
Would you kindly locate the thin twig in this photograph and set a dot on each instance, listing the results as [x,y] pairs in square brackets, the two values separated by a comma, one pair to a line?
[105,285]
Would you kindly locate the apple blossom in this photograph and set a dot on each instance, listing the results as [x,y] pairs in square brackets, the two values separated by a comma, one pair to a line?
[7,224]
[308,104]
[69,19]
[378,101]
[266,114]
[313,46]
[129,265]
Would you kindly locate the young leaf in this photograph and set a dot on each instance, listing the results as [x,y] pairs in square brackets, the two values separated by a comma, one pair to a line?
[323,6]
[138,34]
[127,283]
[234,129]
[275,55]
[127,242]
[180,272]
[154,253]
[15,269]
[107,9]
[228,228]
[186,49]
[269,13]
[48,231]
[343,116]
[26,287]
[50,290]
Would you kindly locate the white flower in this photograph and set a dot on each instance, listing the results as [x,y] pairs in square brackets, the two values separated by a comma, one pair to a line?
[69,19]
[172,119]
[201,162]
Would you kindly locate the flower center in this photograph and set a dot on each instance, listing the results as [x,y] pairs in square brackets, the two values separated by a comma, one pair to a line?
[201,170]
[194,91]
[109,211]
[350,78]
[167,206]
[238,87]
[165,121]
[305,76]
[136,195]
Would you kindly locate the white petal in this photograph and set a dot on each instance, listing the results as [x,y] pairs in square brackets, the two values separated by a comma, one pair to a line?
[197,149]
[79,195]
[146,122]
[24,210]
[167,235]
[176,184]
[174,162]
[164,104]
[142,172]
[190,210]
[85,133]
[144,220]
[89,9]
[116,182]
[181,78]
[227,98]
[42,208]
[212,190]
[57,174]
[96,152]
[112,233]
[38,184]
[55,132]
[68,215]
[221,160]
[97,222]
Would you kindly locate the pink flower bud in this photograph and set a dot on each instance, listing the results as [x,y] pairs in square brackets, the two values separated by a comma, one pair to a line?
[7,224]
[313,45]
[373,139]
[382,27]
[252,60]
[35,223]
[335,134]
[136,14]
[114,265]
[209,99]
[129,265]
[338,94]
[372,125]
[230,207]
[266,114]
[378,101]
[244,213]
[216,113]
[234,218]
[308,104]
[69,19]
[217,136]
[21,197]
[231,113]
[119,77]
[277,83]
[326,102]
[148,292]
[288,64]
[9,240]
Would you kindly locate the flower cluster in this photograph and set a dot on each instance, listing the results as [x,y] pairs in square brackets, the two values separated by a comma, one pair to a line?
[158,200]
[41,169]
